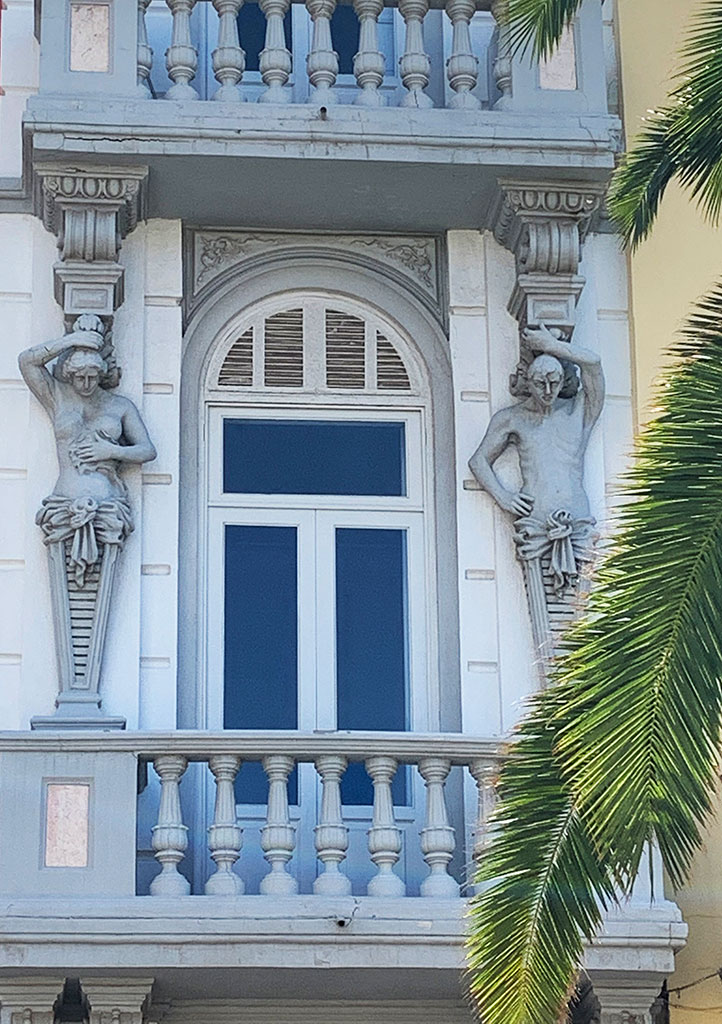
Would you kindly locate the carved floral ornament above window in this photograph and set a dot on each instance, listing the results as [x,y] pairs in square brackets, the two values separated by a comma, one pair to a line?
[413,256]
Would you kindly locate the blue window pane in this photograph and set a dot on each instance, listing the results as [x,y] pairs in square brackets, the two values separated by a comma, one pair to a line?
[371,642]
[345,30]
[313,457]
[261,638]
[252,32]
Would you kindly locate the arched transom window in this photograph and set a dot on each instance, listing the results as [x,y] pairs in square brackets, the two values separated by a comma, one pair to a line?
[316,346]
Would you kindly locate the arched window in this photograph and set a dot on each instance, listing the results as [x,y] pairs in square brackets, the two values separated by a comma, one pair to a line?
[320,572]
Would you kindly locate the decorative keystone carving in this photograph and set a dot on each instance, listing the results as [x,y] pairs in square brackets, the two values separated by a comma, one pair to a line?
[117,1000]
[29,1000]
[545,226]
[90,212]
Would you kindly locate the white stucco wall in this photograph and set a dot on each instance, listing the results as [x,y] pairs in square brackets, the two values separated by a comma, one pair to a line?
[19,57]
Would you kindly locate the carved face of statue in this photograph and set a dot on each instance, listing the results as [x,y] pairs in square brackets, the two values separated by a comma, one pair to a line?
[83,371]
[545,377]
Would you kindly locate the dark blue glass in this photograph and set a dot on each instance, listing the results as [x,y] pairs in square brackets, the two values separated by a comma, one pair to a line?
[261,640]
[345,31]
[313,457]
[371,643]
[252,32]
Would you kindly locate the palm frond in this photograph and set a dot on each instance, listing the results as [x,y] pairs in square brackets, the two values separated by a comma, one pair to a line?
[539,24]
[640,181]
[622,748]
[545,889]
[683,138]
[641,694]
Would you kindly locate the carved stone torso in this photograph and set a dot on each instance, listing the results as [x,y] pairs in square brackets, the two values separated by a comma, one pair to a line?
[551,450]
[76,420]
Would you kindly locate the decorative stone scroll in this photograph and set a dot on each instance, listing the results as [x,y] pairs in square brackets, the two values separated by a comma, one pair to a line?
[87,518]
[560,387]
[91,212]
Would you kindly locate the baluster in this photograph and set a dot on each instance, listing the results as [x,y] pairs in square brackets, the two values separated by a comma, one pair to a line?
[145,53]
[170,835]
[502,63]
[484,774]
[278,836]
[229,60]
[322,60]
[369,64]
[181,57]
[437,836]
[415,65]
[462,67]
[331,834]
[384,836]
[225,837]
[275,61]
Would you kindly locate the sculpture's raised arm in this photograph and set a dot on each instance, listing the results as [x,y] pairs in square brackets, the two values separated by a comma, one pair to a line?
[590,367]
[32,363]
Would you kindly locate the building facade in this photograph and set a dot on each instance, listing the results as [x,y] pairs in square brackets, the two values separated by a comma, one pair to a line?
[273,275]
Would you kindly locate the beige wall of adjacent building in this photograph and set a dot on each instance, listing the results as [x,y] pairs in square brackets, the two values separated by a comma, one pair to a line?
[680,261]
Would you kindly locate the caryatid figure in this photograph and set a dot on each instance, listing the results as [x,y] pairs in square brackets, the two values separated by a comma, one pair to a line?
[87,518]
[550,429]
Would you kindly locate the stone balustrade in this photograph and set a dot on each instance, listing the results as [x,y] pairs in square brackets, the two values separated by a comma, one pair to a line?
[426,762]
[377,84]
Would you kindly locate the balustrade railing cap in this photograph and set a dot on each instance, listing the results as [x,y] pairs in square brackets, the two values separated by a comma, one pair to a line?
[199,745]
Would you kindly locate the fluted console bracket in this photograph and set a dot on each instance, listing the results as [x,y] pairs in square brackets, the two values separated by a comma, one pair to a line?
[544,225]
[90,211]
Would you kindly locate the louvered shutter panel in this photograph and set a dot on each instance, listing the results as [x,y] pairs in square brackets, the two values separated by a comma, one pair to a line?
[237,369]
[391,373]
[345,351]
[283,349]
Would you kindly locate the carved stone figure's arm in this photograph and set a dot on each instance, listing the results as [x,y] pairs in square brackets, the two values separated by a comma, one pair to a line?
[495,441]
[32,366]
[139,448]
[589,363]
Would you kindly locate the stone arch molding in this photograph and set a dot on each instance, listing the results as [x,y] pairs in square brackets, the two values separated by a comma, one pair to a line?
[220,306]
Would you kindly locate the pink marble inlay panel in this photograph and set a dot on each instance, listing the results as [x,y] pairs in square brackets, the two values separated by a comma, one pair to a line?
[559,71]
[89,37]
[66,825]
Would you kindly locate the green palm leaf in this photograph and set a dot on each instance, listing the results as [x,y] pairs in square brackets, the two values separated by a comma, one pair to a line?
[539,23]
[622,748]
[543,888]
[682,139]
[641,703]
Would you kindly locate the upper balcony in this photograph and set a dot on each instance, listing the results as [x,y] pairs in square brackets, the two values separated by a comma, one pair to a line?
[347,116]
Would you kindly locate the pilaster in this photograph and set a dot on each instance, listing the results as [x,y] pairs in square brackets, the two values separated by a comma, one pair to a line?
[117,1000]
[90,212]
[544,224]
[29,1000]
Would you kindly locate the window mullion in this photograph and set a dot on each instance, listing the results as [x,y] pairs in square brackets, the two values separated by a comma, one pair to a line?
[314,325]
[325,620]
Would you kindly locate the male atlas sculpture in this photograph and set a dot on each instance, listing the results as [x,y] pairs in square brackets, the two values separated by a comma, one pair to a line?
[550,429]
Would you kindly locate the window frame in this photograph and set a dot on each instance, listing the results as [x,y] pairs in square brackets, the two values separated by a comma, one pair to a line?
[413,407]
